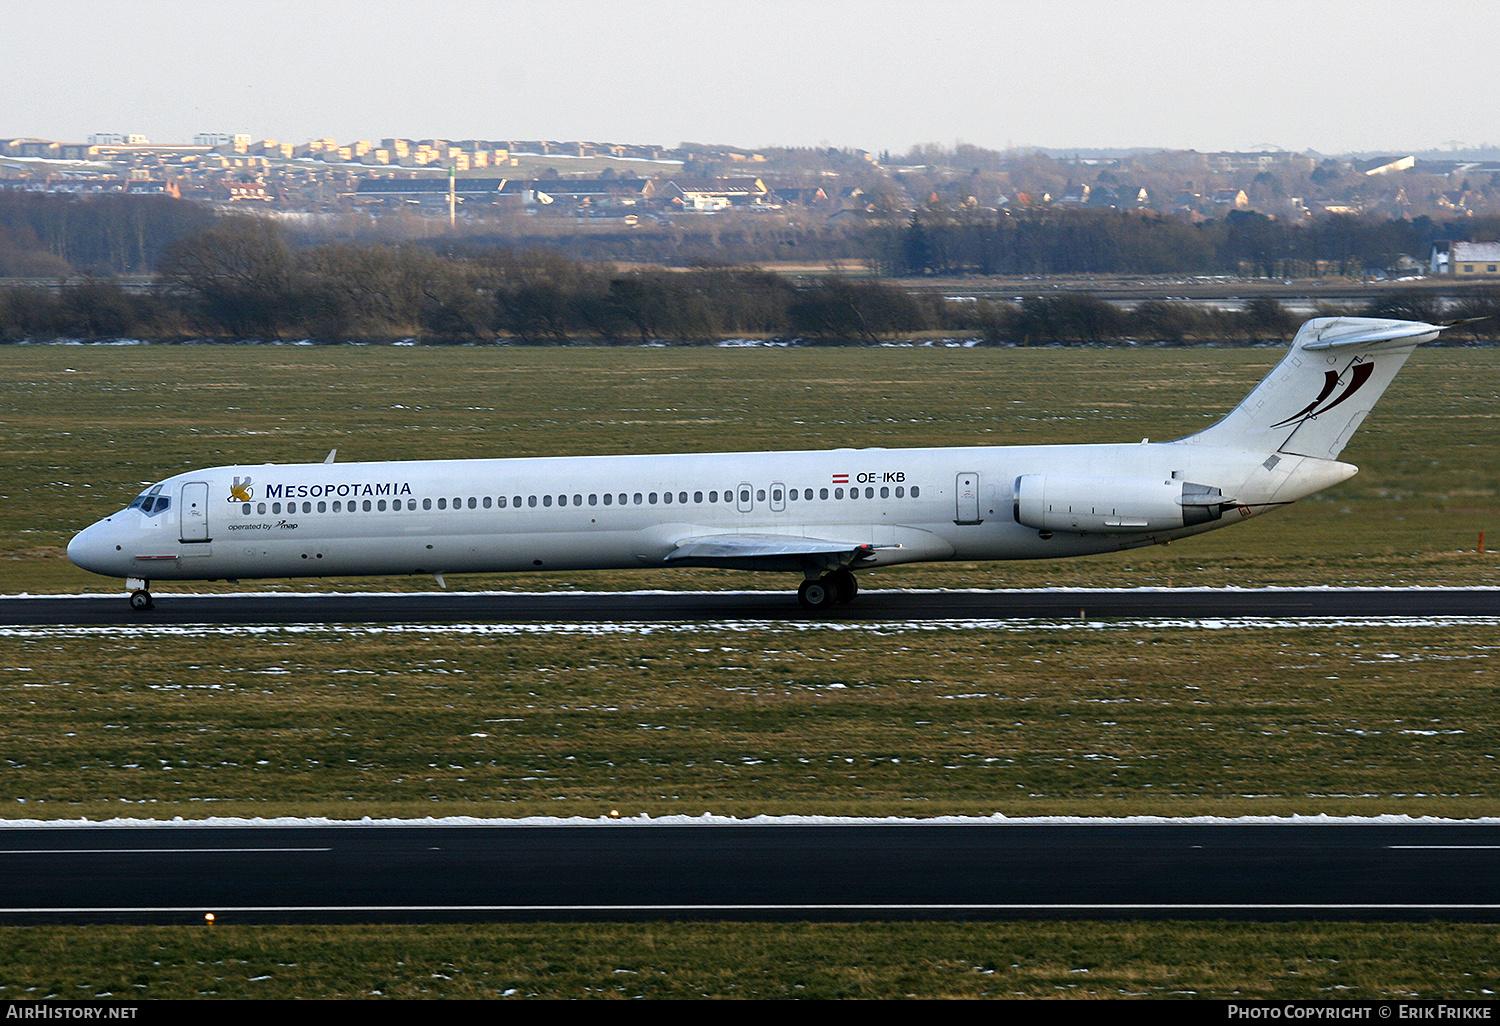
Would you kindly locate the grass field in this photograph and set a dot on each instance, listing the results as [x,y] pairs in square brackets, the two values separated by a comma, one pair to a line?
[905,719]
[750,719]
[1247,961]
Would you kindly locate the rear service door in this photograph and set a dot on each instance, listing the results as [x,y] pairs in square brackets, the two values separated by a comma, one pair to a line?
[966,493]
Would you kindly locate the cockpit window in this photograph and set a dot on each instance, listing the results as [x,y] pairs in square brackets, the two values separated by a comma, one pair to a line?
[151,502]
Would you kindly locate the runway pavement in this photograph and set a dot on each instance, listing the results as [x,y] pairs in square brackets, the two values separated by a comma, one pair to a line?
[611,607]
[640,870]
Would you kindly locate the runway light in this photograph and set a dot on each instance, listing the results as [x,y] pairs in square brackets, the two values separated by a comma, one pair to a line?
[614,813]
[208,917]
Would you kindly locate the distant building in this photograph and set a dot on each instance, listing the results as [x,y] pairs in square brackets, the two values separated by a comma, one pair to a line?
[241,192]
[237,143]
[1256,160]
[1385,165]
[153,187]
[1466,259]
[706,193]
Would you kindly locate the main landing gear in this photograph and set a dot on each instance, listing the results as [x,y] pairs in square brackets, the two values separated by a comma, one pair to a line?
[827,591]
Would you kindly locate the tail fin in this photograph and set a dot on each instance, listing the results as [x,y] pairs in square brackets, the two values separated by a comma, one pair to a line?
[1321,391]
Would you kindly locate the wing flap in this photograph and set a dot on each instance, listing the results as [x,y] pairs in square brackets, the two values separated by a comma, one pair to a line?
[770,552]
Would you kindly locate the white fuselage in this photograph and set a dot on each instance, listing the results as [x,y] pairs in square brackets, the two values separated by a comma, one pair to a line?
[610,512]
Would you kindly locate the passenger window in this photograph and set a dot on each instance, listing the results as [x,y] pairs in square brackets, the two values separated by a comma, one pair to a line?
[426,503]
[915,491]
[380,505]
[608,498]
[275,507]
[838,493]
[442,504]
[260,507]
[562,500]
[578,500]
[531,500]
[486,502]
[322,507]
[667,498]
[822,493]
[870,493]
[367,505]
[698,497]
[637,498]
[653,498]
[593,498]
[900,492]
[473,502]
[713,496]
[245,509]
[500,501]
[546,500]
[885,493]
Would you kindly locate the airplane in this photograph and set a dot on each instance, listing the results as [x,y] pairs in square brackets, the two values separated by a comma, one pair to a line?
[820,514]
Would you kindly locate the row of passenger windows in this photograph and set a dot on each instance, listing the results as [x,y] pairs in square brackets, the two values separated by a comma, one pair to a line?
[744,498]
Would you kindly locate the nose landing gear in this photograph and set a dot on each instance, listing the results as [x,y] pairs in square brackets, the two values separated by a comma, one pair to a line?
[140,594]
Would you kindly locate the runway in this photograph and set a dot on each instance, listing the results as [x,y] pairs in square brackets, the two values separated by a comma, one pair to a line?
[615,607]
[689,871]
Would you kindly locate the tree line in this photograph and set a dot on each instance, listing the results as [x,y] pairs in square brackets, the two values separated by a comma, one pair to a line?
[1054,240]
[58,235]
[238,278]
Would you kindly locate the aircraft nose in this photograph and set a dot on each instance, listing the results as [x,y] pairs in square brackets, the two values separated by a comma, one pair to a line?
[93,549]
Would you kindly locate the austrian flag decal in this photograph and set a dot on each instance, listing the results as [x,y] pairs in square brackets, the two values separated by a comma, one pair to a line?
[840,478]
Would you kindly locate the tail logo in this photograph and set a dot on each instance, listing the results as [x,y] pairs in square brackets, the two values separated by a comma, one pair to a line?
[240,491]
[1362,372]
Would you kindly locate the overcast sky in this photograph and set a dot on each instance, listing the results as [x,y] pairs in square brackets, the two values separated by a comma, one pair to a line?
[1379,75]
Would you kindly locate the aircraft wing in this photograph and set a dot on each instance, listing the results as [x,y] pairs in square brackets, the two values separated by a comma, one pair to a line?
[770,552]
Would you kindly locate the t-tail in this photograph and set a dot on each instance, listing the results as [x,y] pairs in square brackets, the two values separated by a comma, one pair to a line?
[1321,392]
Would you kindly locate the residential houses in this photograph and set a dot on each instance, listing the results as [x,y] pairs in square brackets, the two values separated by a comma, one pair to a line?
[606,179]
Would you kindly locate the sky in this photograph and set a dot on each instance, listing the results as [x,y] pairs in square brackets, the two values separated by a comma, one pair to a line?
[1323,75]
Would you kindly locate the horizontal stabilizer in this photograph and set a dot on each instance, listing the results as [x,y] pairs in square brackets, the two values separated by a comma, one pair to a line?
[1362,334]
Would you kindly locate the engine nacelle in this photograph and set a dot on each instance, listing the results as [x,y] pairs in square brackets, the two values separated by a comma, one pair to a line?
[1114,505]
